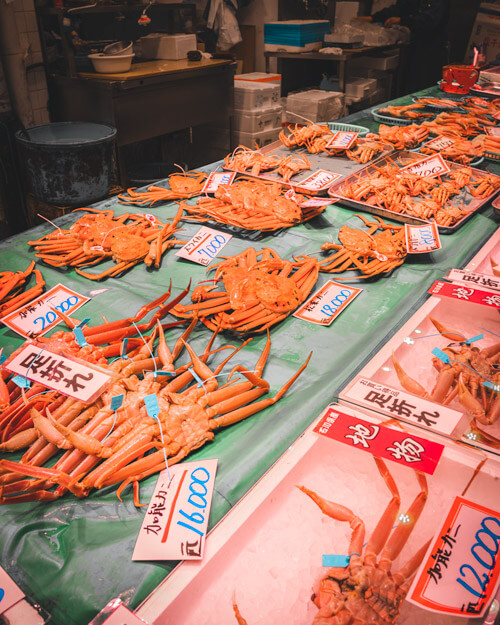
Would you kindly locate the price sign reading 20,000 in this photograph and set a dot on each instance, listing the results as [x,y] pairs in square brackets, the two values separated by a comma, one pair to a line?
[51,316]
[332,308]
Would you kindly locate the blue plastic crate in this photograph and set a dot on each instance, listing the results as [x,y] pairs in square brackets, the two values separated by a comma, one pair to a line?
[295,32]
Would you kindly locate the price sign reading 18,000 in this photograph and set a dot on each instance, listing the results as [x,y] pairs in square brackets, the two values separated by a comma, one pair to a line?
[327,303]
[204,246]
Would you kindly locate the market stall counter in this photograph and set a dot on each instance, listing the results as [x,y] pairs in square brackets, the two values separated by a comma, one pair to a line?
[74,555]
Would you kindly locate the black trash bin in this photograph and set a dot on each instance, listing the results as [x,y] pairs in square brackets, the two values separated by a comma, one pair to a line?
[68,163]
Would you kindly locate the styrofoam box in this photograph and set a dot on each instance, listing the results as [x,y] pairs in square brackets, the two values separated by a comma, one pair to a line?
[259,77]
[492,74]
[360,87]
[342,37]
[250,95]
[258,120]
[314,105]
[261,138]
[168,47]
[308,47]
[381,61]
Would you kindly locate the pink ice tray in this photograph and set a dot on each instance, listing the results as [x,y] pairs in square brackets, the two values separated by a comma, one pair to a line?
[267,552]
[377,386]
[489,255]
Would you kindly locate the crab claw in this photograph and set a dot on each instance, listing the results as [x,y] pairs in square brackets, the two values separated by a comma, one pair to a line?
[447,333]
[494,265]
[408,383]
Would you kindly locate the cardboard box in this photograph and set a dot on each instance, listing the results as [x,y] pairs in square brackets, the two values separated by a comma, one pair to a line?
[167,47]
[258,120]
[314,105]
[486,30]
[249,95]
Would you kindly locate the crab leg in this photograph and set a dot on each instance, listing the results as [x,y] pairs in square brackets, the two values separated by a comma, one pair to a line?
[403,530]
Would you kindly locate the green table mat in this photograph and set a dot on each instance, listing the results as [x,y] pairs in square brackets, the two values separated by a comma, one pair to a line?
[73,556]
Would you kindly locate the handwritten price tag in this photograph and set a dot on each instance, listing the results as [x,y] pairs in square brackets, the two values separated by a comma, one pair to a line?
[318,181]
[469,277]
[204,246]
[37,318]
[342,140]
[381,441]
[493,131]
[440,143]
[314,203]
[10,593]
[461,571]
[324,306]
[429,167]
[60,373]
[421,239]
[402,405]
[217,178]
[467,294]
[175,524]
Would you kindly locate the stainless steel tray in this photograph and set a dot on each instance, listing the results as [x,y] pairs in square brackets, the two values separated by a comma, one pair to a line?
[335,164]
[403,158]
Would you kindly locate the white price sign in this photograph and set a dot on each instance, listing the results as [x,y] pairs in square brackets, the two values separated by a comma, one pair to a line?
[429,167]
[324,306]
[217,178]
[204,246]
[493,131]
[318,181]
[421,239]
[461,570]
[59,373]
[314,203]
[37,318]
[342,140]
[479,279]
[175,524]
[440,143]
[403,405]
[10,593]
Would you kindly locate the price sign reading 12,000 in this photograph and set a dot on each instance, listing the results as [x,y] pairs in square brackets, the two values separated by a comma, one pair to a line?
[461,571]
[204,246]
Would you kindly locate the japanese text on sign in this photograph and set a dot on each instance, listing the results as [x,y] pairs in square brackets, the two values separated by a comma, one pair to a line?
[421,239]
[381,441]
[175,524]
[60,373]
[10,593]
[459,275]
[217,178]
[342,140]
[36,318]
[440,143]
[467,294]
[318,181]
[461,571]
[403,405]
[327,303]
[204,246]
[429,167]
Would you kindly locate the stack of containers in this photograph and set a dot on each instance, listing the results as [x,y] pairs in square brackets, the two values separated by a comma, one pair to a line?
[314,105]
[257,109]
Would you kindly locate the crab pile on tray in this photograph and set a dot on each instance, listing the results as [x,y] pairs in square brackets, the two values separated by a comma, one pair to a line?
[388,185]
